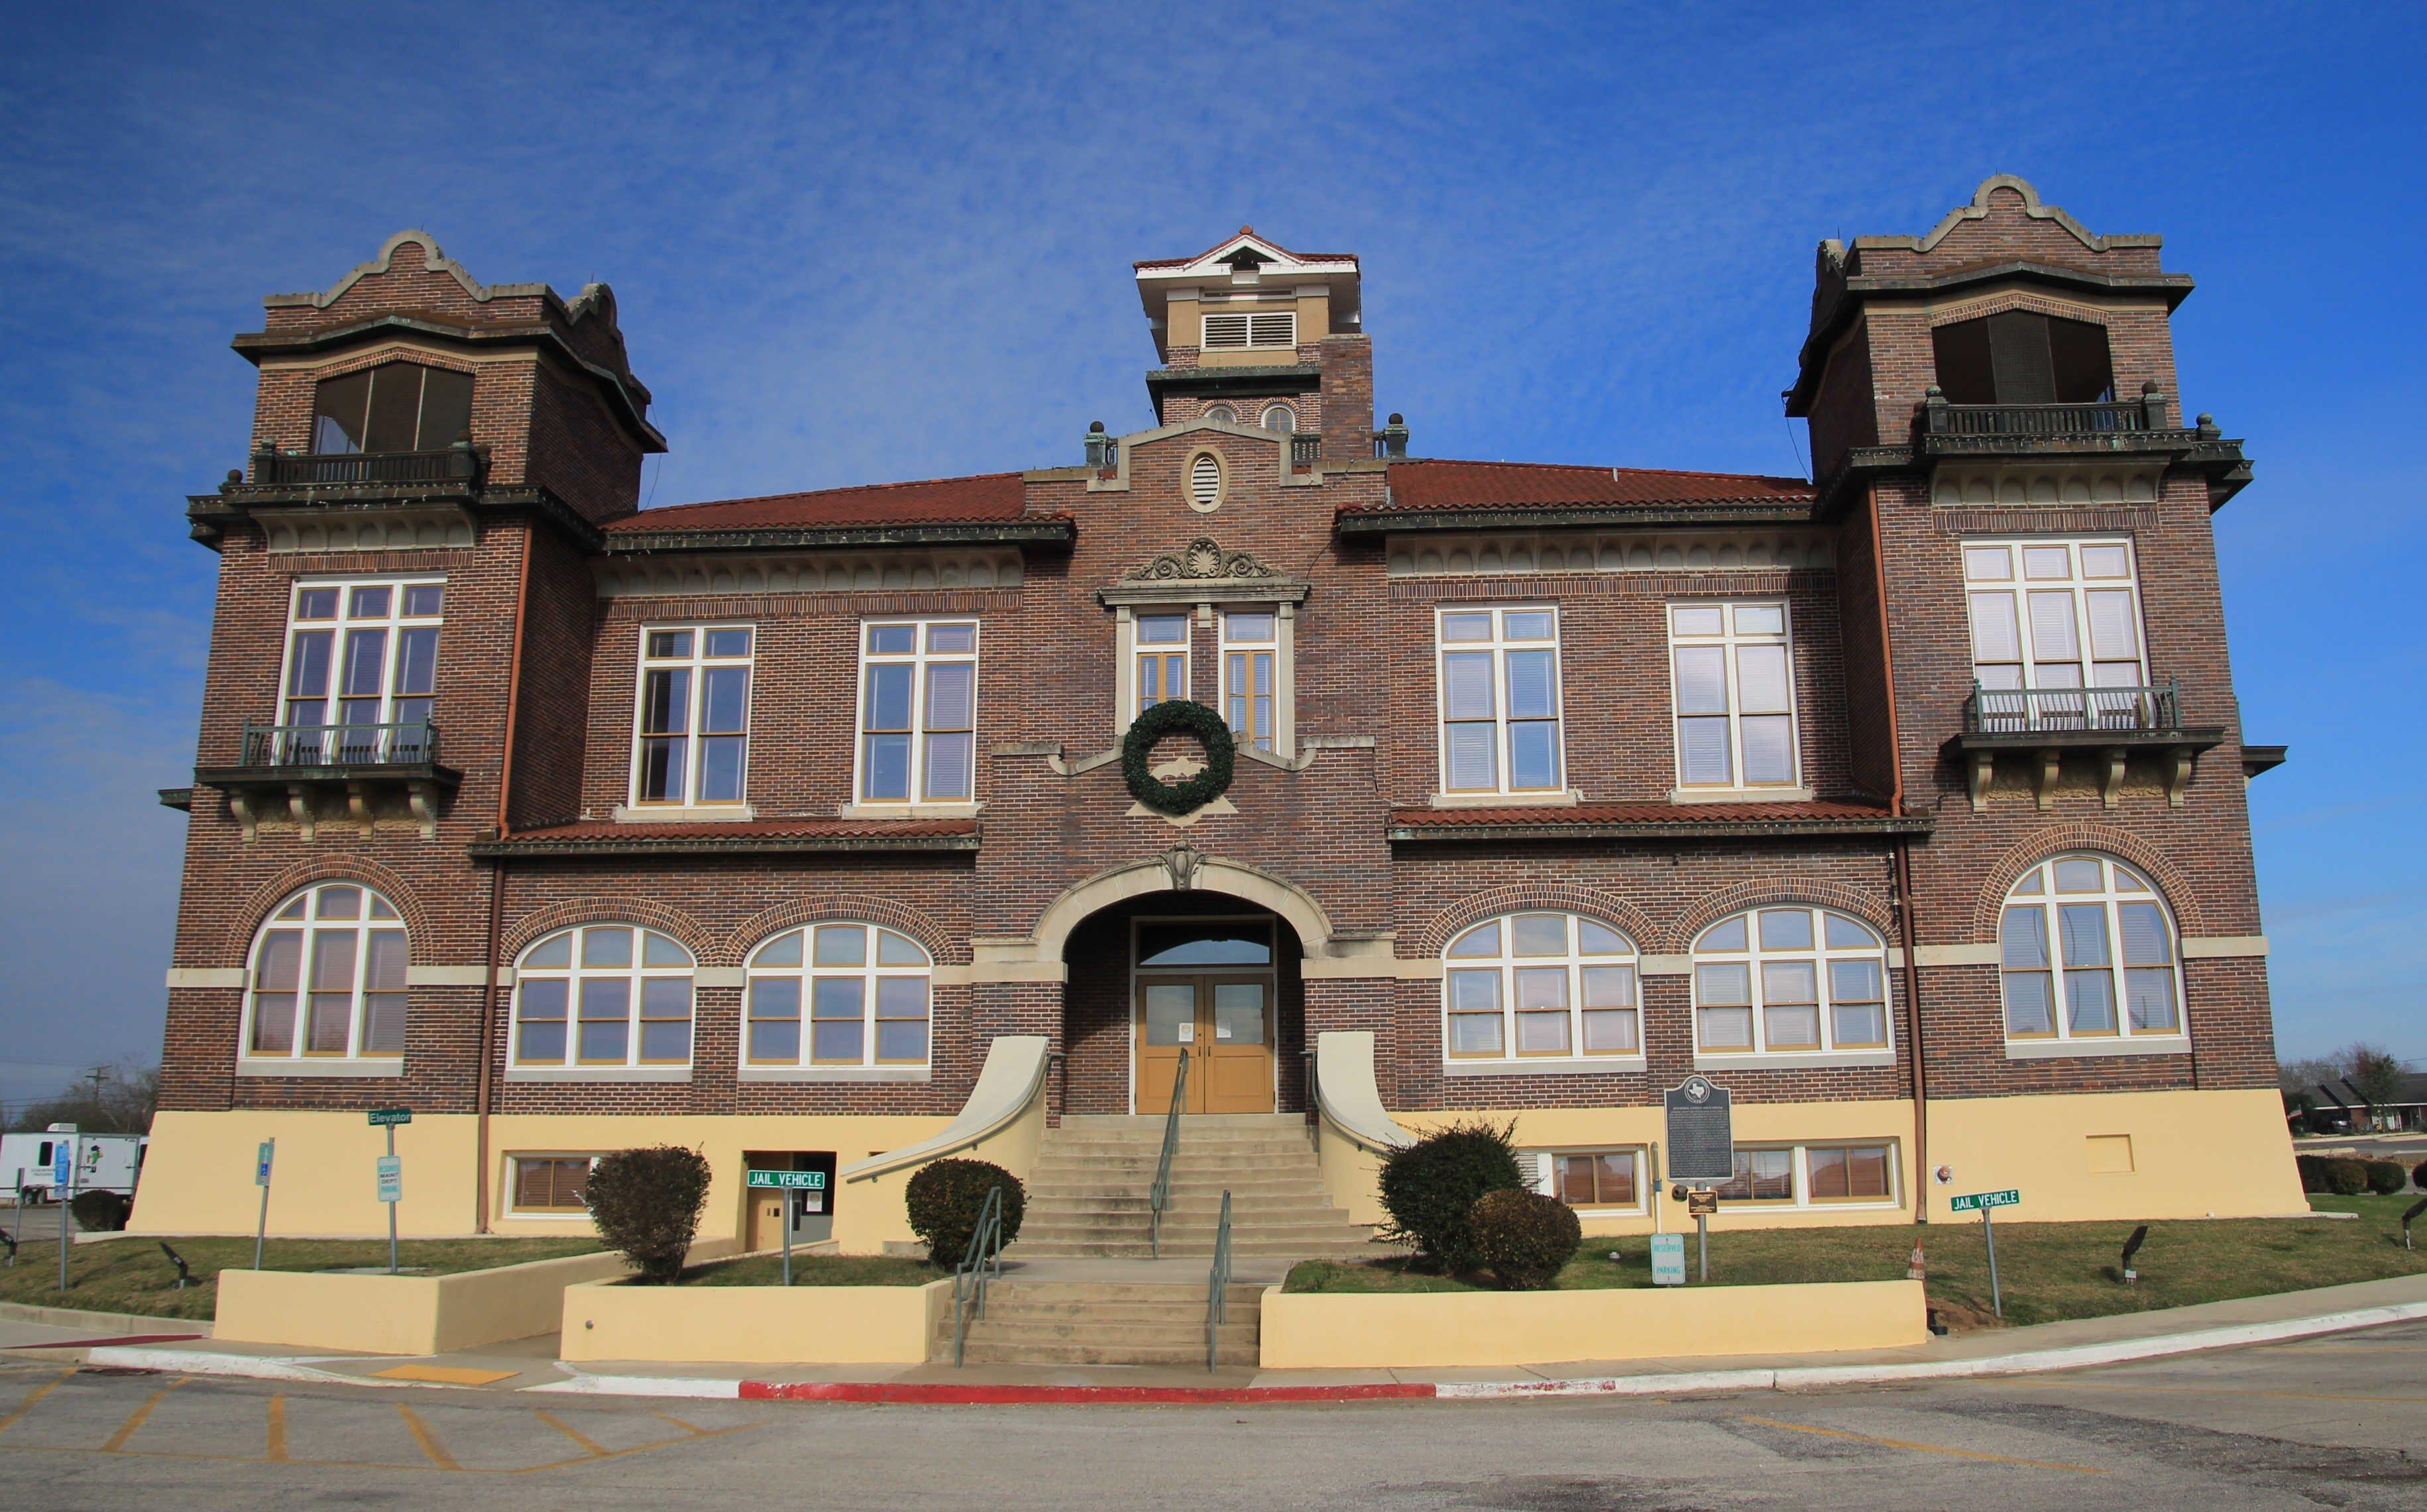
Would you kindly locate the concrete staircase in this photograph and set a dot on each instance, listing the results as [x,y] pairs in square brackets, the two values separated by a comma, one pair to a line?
[1107,1322]
[1087,1197]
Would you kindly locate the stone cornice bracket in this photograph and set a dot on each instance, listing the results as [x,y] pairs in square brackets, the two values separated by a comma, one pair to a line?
[1184,864]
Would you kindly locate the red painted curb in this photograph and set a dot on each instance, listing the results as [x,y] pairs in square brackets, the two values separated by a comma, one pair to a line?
[947,1394]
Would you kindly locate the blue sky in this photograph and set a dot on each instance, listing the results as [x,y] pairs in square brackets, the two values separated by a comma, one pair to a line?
[852,243]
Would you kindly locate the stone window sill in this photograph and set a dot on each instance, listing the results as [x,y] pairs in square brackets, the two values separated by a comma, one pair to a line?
[1565,798]
[599,1073]
[1793,1061]
[2063,1050]
[1740,795]
[684,813]
[907,811]
[835,1073]
[369,1066]
[1550,1066]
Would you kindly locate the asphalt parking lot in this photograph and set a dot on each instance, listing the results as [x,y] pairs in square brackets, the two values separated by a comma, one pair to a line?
[2331,1421]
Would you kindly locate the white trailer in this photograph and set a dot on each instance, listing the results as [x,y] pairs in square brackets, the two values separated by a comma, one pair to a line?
[112,1161]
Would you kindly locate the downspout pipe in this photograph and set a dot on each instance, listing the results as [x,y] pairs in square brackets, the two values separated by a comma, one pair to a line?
[1902,881]
[497,894]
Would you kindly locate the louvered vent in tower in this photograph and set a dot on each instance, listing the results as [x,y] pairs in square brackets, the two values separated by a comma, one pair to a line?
[1205,482]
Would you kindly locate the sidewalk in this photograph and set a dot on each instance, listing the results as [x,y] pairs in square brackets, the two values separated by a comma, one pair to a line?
[531,1365]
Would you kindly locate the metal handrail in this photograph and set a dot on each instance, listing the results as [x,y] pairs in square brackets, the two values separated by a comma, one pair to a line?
[460,463]
[410,742]
[1159,1195]
[2073,710]
[2104,417]
[1218,1286]
[979,1264]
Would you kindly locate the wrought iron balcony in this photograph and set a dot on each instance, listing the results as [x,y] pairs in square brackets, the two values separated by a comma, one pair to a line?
[318,773]
[2043,726]
[450,465]
[2037,712]
[2142,425]
[1306,449]
[412,743]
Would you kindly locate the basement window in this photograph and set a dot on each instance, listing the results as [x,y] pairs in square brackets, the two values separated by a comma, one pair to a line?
[2023,357]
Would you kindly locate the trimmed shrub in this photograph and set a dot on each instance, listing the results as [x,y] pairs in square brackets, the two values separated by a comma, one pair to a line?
[1524,1236]
[2313,1172]
[2345,1176]
[2386,1178]
[2419,1176]
[1429,1190]
[945,1198]
[648,1203]
[100,1213]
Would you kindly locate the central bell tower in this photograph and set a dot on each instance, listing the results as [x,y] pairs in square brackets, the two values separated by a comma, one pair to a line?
[1254,335]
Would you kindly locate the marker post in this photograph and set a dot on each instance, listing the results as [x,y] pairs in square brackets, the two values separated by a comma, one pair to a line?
[391,1172]
[63,1175]
[261,1179]
[1986,1203]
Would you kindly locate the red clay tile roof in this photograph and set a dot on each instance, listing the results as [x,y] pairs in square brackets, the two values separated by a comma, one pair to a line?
[984,499]
[1647,816]
[1461,485]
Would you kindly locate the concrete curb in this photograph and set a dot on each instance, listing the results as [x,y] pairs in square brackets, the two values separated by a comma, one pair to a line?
[125,1323]
[1679,1383]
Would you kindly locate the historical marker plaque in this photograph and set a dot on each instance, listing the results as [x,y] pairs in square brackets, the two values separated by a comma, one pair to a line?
[1701,1132]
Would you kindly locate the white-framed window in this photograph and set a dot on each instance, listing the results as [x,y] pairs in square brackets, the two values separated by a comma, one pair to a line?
[362,670]
[1788,980]
[691,731]
[2049,616]
[1524,986]
[1733,670]
[2098,927]
[1251,649]
[918,710]
[1162,660]
[1222,413]
[549,1186]
[838,994]
[1830,1172]
[328,978]
[1589,1181]
[1234,331]
[1280,418]
[603,994]
[1500,700]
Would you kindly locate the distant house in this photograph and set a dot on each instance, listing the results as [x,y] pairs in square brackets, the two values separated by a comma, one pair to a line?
[2340,1101]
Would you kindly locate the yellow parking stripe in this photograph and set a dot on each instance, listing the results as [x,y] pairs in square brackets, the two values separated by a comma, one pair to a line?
[435,1451]
[135,1419]
[35,1395]
[1927,1449]
[597,1450]
[278,1426]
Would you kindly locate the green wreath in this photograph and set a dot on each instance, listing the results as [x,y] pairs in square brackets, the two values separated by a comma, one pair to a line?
[1171,718]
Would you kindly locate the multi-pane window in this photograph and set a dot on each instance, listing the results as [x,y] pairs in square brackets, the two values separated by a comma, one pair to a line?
[1592,1179]
[603,994]
[1222,413]
[1247,651]
[328,977]
[1500,700]
[1162,660]
[552,1186]
[394,407]
[1280,418]
[361,657]
[694,726]
[918,711]
[1810,1174]
[2088,953]
[1734,695]
[1783,981]
[1541,985]
[860,990]
[1271,328]
[2054,615]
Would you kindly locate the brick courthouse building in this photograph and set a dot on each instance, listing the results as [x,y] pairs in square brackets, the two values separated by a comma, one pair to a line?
[1909,805]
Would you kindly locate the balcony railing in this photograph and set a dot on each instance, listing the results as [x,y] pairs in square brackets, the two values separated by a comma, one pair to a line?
[2153,709]
[289,469]
[414,743]
[1306,449]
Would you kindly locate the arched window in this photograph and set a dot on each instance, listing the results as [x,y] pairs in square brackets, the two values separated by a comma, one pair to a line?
[862,990]
[328,977]
[1222,413]
[1280,418]
[1532,985]
[605,996]
[2100,926]
[1790,981]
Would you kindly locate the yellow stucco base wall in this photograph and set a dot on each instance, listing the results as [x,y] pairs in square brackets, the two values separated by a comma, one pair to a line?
[197,1177]
[2128,1155]
[754,1325]
[1428,1330]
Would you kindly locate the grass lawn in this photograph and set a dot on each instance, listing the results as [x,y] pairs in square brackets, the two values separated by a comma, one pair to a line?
[132,1275]
[2046,1271]
[818,1270]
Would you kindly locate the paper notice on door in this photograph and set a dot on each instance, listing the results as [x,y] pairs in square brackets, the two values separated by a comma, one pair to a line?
[1221,1032]
[1187,1033]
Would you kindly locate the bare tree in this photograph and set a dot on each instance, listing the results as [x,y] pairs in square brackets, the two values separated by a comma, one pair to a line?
[2375,1070]
[106,1100]
[2306,1075]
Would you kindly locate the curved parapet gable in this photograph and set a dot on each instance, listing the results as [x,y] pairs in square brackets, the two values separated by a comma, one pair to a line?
[1010,1087]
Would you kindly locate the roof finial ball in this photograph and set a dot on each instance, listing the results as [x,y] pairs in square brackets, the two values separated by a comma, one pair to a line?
[1397,419]
[1247,231]
[1096,428]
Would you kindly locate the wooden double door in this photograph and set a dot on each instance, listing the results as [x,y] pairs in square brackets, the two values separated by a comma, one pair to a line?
[1224,1020]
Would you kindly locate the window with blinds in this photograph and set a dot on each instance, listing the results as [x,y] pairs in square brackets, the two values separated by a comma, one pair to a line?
[1239,332]
[1735,693]
[2054,613]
